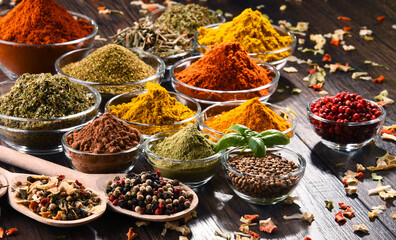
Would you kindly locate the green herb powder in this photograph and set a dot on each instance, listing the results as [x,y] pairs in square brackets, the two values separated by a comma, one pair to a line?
[187,144]
[45,96]
[188,17]
[110,64]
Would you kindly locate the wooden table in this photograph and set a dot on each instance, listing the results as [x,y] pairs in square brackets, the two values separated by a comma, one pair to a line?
[219,207]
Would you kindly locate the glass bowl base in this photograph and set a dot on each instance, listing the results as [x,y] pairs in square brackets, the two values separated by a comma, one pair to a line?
[261,201]
[197,184]
[345,147]
[34,151]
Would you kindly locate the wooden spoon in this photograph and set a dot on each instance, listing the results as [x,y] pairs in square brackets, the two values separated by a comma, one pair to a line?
[95,181]
[3,185]
[14,177]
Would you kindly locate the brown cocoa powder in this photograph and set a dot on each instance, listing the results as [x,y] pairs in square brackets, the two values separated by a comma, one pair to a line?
[104,135]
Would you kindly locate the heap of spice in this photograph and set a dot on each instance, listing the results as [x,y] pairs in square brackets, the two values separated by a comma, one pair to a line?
[155,106]
[186,144]
[57,198]
[42,22]
[110,64]
[226,67]
[187,18]
[253,31]
[252,114]
[45,96]
[103,136]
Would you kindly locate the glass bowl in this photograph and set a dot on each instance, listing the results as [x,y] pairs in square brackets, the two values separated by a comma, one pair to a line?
[193,173]
[42,136]
[149,129]
[172,59]
[219,108]
[101,162]
[277,58]
[345,136]
[265,188]
[107,90]
[19,58]
[209,96]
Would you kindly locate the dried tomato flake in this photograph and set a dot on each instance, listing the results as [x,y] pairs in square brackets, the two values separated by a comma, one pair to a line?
[268,228]
[335,42]
[131,235]
[344,18]
[316,87]
[311,71]
[343,205]
[381,79]
[388,131]
[339,217]
[346,28]
[251,217]
[382,103]
[326,58]
[348,212]
[380,18]
[1,232]
[359,175]
[255,235]
[101,8]
[11,231]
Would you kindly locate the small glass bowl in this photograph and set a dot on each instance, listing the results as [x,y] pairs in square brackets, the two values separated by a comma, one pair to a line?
[107,90]
[193,173]
[219,108]
[150,129]
[277,58]
[345,136]
[209,96]
[44,135]
[257,189]
[19,58]
[101,162]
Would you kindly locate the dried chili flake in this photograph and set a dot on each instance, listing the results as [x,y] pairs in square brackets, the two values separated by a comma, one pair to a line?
[268,228]
[343,205]
[101,8]
[311,71]
[359,175]
[348,212]
[1,232]
[335,42]
[341,18]
[251,217]
[316,87]
[131,235]
[11,231]
[381,79]
[380,18]
[339,217]
[388,131]
[255,235]
[326,58]
[346,28]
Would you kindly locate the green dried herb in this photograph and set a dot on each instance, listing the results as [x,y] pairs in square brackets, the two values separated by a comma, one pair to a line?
[329,205]
[187,18]
[376,177]
[338,165]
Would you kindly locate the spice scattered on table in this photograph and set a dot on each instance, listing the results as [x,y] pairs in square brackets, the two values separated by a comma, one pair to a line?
[329,205]
[186,144]
[306,216]
[26,23]
[44,96]
[187,18]
[110,64]
[57,198]
[11,232]
[252,114]
[131,235]
[383,98]
[253,31]
[385,162]
[155,106]
[226,67]
[361,228]
[148,193]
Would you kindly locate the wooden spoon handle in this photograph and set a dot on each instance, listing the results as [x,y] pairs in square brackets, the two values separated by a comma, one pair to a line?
[34,164]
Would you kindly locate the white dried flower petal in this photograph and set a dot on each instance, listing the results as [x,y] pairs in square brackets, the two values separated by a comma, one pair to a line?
[290,69]
[361,228]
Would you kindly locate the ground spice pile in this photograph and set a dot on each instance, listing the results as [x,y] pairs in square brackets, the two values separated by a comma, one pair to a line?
[252,30]
[104,135]
[45,96]
[41,22]
[187,144]
[112,64]
[225,66]
[252,114]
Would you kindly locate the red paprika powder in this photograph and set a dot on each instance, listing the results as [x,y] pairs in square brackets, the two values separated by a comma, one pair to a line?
[41,22]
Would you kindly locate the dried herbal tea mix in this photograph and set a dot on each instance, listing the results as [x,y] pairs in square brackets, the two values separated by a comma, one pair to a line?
[45,96]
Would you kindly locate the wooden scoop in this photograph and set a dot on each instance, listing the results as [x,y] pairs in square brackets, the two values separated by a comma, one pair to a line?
[97,182]
[3,185]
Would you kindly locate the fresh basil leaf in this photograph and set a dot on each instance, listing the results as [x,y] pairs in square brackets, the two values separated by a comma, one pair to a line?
[268,132]
[243,130]
[274,137]
[230,140]
[257,146]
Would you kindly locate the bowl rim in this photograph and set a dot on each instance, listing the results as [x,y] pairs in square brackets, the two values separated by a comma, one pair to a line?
[66,146]
[300,170]
[316,117]
[137,93]
[93,91]
[79,15]
[195,58]
[158,73]
[277,28]
[202,123]
[155,137]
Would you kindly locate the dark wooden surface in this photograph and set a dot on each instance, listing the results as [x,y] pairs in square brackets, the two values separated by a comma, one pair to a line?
[219,208]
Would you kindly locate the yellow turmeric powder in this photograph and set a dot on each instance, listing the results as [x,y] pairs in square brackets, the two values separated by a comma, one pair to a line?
[253,114]
[154,107]
[253,31]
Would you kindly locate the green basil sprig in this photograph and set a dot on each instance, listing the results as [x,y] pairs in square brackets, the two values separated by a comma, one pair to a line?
[246,138]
